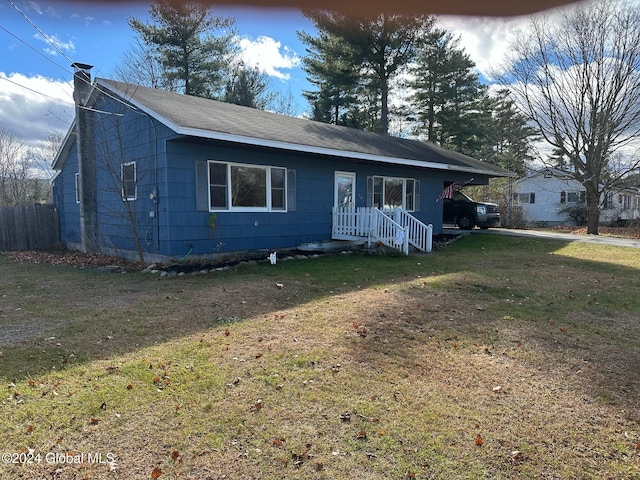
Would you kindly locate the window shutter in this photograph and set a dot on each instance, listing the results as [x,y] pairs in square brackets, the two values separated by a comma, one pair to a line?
[416,196]
[532,197]
[202,186]
[369,191]
[291,190]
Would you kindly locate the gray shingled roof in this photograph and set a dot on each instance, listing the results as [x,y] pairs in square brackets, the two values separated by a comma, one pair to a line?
[206,118]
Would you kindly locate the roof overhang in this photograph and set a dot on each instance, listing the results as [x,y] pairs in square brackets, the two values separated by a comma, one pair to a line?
[65,147]
[291,146]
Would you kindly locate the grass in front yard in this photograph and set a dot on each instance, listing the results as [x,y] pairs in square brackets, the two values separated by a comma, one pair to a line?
[497,358]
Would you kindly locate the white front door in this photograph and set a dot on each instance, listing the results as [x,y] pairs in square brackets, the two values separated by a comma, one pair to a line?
[345,189]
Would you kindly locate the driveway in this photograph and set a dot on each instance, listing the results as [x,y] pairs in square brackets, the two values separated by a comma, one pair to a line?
[569,237]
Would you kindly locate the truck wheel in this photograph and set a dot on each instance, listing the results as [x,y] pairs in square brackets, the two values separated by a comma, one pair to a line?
[465,222]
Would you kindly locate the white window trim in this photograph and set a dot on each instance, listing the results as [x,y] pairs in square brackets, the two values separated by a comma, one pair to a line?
[404,190]
[269,199]
[135,181]
[335,186]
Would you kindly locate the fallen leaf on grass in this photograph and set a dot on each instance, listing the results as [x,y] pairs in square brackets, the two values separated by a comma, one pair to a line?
[479,440]
[175,454]
[256,406]
[156,472]
[362,435]
[226,332]
[94,421]
[30,429]
[278,442]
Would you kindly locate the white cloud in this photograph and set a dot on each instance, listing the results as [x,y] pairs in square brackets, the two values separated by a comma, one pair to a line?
[485,39]
[55,44]
[35,107]
[35,7]
[269,56]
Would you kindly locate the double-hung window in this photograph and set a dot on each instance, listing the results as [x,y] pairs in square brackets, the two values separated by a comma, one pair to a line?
[128,179]
[244,187]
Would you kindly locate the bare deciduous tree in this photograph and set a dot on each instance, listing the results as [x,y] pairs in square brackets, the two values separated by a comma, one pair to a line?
[578,79]
[14,170]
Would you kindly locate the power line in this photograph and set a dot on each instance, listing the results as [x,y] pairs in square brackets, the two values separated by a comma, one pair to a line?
[48,39]
[35,50]
[44,35]
[30,89]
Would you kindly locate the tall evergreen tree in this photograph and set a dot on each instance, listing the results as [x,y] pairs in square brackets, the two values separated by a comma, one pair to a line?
[328,65]
[377,49]
[507,135]
[447,93]
[192,57]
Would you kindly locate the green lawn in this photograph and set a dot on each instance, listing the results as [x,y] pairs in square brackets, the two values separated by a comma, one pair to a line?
[497,357]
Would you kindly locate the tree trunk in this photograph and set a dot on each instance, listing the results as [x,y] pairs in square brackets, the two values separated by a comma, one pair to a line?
[593,209]
[384,110]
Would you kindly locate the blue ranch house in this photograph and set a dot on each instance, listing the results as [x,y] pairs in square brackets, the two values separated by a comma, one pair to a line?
[145,172]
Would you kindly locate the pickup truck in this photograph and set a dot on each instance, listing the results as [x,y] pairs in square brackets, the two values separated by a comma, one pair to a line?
[467,213]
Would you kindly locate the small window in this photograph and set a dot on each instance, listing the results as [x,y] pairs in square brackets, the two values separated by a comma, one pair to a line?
[218,185]
[278,190]
[77,187]
[572,197]
[128,181]
[525,197]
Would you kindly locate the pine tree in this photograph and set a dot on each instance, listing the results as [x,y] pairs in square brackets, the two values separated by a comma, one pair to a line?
[193,59]
[375,49]
[447,94]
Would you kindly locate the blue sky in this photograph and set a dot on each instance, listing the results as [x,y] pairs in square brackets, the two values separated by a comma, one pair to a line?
[35,76]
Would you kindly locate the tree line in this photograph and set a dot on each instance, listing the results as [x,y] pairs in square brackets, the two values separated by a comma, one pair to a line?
[365,72]
[570,80]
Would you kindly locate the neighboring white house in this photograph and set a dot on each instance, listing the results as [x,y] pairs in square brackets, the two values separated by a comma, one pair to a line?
[546,195]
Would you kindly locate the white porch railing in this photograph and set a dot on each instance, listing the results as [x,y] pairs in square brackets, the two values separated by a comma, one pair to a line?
[395,228]
[420,235]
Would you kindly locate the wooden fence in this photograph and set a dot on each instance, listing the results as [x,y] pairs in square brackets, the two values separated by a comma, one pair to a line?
[33,227]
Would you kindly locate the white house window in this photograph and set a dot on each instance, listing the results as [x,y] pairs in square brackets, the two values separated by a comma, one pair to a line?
[246,187]
[77,187]
[525,197]
[392,192]
[128,179]
[572,197]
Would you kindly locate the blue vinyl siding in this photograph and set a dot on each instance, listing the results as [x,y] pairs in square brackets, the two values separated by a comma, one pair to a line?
[166,215]
[64,194]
